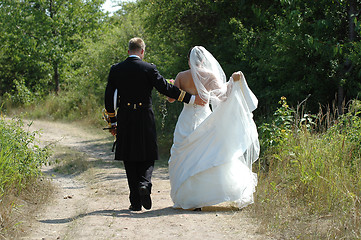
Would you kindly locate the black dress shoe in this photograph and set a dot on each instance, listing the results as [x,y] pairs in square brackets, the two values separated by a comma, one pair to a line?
[145,199]
[131,208]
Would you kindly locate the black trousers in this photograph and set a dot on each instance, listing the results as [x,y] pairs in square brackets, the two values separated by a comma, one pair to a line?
[138,174]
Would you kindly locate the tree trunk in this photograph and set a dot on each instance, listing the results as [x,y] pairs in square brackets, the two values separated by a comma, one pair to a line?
[351,18]
[55,64]
[347,64]
[56,78]
[340,97]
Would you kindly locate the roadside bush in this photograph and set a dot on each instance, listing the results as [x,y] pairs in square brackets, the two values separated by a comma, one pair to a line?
[20,156]
[311,186]
[20,162]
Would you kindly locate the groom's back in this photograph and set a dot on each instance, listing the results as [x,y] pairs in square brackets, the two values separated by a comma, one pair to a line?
[132,80]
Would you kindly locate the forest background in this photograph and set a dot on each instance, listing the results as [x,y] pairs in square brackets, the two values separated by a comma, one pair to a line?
[302,59]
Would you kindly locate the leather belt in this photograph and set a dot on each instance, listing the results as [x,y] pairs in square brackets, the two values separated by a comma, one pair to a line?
[135,106]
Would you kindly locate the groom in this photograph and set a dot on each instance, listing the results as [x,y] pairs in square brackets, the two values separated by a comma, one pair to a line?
[134,124]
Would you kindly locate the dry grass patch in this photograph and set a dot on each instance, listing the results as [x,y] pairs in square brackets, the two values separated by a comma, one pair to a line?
[17,208]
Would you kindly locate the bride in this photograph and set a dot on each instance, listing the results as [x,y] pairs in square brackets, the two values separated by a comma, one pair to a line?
[213,150]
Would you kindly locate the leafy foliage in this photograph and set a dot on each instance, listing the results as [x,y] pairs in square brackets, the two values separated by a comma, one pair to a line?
[38,36]
[291,49]
[20,156]
[20,167]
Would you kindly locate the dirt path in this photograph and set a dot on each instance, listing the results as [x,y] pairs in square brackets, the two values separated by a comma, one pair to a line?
[94,204]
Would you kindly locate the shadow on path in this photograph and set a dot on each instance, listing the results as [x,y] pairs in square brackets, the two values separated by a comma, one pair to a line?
[125,213]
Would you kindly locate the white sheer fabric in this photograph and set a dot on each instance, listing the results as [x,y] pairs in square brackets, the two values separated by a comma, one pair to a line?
[208,76]
[213,152]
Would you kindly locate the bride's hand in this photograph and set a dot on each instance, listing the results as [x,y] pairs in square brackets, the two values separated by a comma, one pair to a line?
[237,76]
[199,101]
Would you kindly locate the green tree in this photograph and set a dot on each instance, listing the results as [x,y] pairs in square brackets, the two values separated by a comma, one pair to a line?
[292,48]
[40,34]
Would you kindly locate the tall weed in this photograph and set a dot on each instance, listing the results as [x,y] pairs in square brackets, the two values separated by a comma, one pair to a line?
[20,162]
[312,175]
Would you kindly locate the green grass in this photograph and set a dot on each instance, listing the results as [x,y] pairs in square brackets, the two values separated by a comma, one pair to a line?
[310,185]
[20,162]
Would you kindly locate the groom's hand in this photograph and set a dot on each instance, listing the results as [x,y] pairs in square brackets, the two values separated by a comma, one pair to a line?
[199,101]
[171,100]
[113,130]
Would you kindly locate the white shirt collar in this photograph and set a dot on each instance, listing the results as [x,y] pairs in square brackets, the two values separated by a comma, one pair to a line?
[134,56]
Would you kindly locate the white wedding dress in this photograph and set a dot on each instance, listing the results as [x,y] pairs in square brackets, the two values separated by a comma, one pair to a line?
[212,154]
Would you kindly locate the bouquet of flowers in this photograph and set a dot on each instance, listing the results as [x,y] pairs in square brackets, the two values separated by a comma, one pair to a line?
[170,81]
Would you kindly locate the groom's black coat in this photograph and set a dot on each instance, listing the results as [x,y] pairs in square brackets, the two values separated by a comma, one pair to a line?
[136,132]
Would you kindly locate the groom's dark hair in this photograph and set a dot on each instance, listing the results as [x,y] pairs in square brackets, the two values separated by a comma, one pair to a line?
[136,44]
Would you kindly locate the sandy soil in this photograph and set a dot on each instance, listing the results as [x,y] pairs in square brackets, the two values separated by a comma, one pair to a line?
[94,204]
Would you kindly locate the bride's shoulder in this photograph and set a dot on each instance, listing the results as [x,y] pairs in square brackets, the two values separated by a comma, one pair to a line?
[184,79]
[185,73]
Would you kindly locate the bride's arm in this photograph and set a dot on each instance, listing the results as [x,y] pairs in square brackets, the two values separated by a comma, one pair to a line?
[219,89]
